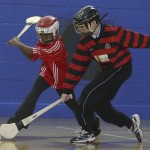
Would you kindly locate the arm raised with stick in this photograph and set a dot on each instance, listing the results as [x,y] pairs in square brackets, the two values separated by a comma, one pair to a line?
[29,22]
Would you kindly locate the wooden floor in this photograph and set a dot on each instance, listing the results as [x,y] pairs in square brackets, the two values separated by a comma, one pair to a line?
[55,134]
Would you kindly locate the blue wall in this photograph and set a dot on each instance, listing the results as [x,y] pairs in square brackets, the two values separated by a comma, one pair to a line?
[17,74]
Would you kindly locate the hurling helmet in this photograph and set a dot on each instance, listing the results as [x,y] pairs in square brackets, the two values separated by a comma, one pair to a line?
[85,16]
[49,26]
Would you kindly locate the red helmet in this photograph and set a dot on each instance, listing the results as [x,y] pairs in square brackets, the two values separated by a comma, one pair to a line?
[47,29]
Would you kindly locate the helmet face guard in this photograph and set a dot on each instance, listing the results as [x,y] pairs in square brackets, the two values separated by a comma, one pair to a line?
[85,16]
[46,38]
[85,29]
[47,29]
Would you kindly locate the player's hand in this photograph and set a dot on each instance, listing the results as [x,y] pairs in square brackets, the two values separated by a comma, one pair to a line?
[66,97]
[14,42]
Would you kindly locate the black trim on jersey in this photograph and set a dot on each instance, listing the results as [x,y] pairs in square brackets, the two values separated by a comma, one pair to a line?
[85,40]
[113,44]
[148,42]
[131,41]
[121,58]
[83,53]
[112,55]
[67,91]
[102,46]
[80,63]
[119,30]
[97,46]
[140,41]
[71,81]
[110,34]
[123,38]
[75,72]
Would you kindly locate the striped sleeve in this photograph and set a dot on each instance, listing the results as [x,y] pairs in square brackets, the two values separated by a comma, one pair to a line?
[80,62]
[130,39]
[35,54]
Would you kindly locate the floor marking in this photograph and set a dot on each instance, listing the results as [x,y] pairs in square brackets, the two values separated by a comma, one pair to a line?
[106,134]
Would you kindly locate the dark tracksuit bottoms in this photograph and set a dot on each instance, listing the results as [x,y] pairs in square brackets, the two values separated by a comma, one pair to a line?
[40,85]
[97,96]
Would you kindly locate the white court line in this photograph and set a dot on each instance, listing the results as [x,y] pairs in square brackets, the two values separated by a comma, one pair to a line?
[106,134]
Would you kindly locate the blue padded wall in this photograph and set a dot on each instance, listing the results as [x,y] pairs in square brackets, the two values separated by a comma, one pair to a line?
[17,74]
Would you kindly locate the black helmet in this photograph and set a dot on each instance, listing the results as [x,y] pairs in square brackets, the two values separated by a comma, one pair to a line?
[86,15]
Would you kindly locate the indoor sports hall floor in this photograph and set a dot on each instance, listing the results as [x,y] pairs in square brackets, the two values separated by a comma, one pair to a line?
[54,134]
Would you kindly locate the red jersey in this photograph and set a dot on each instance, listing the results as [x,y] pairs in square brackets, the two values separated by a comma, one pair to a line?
[110,50]
[54,62]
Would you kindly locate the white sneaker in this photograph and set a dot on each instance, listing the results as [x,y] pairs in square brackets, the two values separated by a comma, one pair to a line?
[135,129]
[83,137]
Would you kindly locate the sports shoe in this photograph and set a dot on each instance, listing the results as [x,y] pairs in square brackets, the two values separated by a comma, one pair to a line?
[96,128]
[83,137]
[135,129]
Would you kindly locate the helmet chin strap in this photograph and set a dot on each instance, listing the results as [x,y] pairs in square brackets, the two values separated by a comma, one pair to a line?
[91,31]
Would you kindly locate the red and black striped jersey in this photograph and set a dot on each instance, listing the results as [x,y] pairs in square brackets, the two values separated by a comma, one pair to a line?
[110,50]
